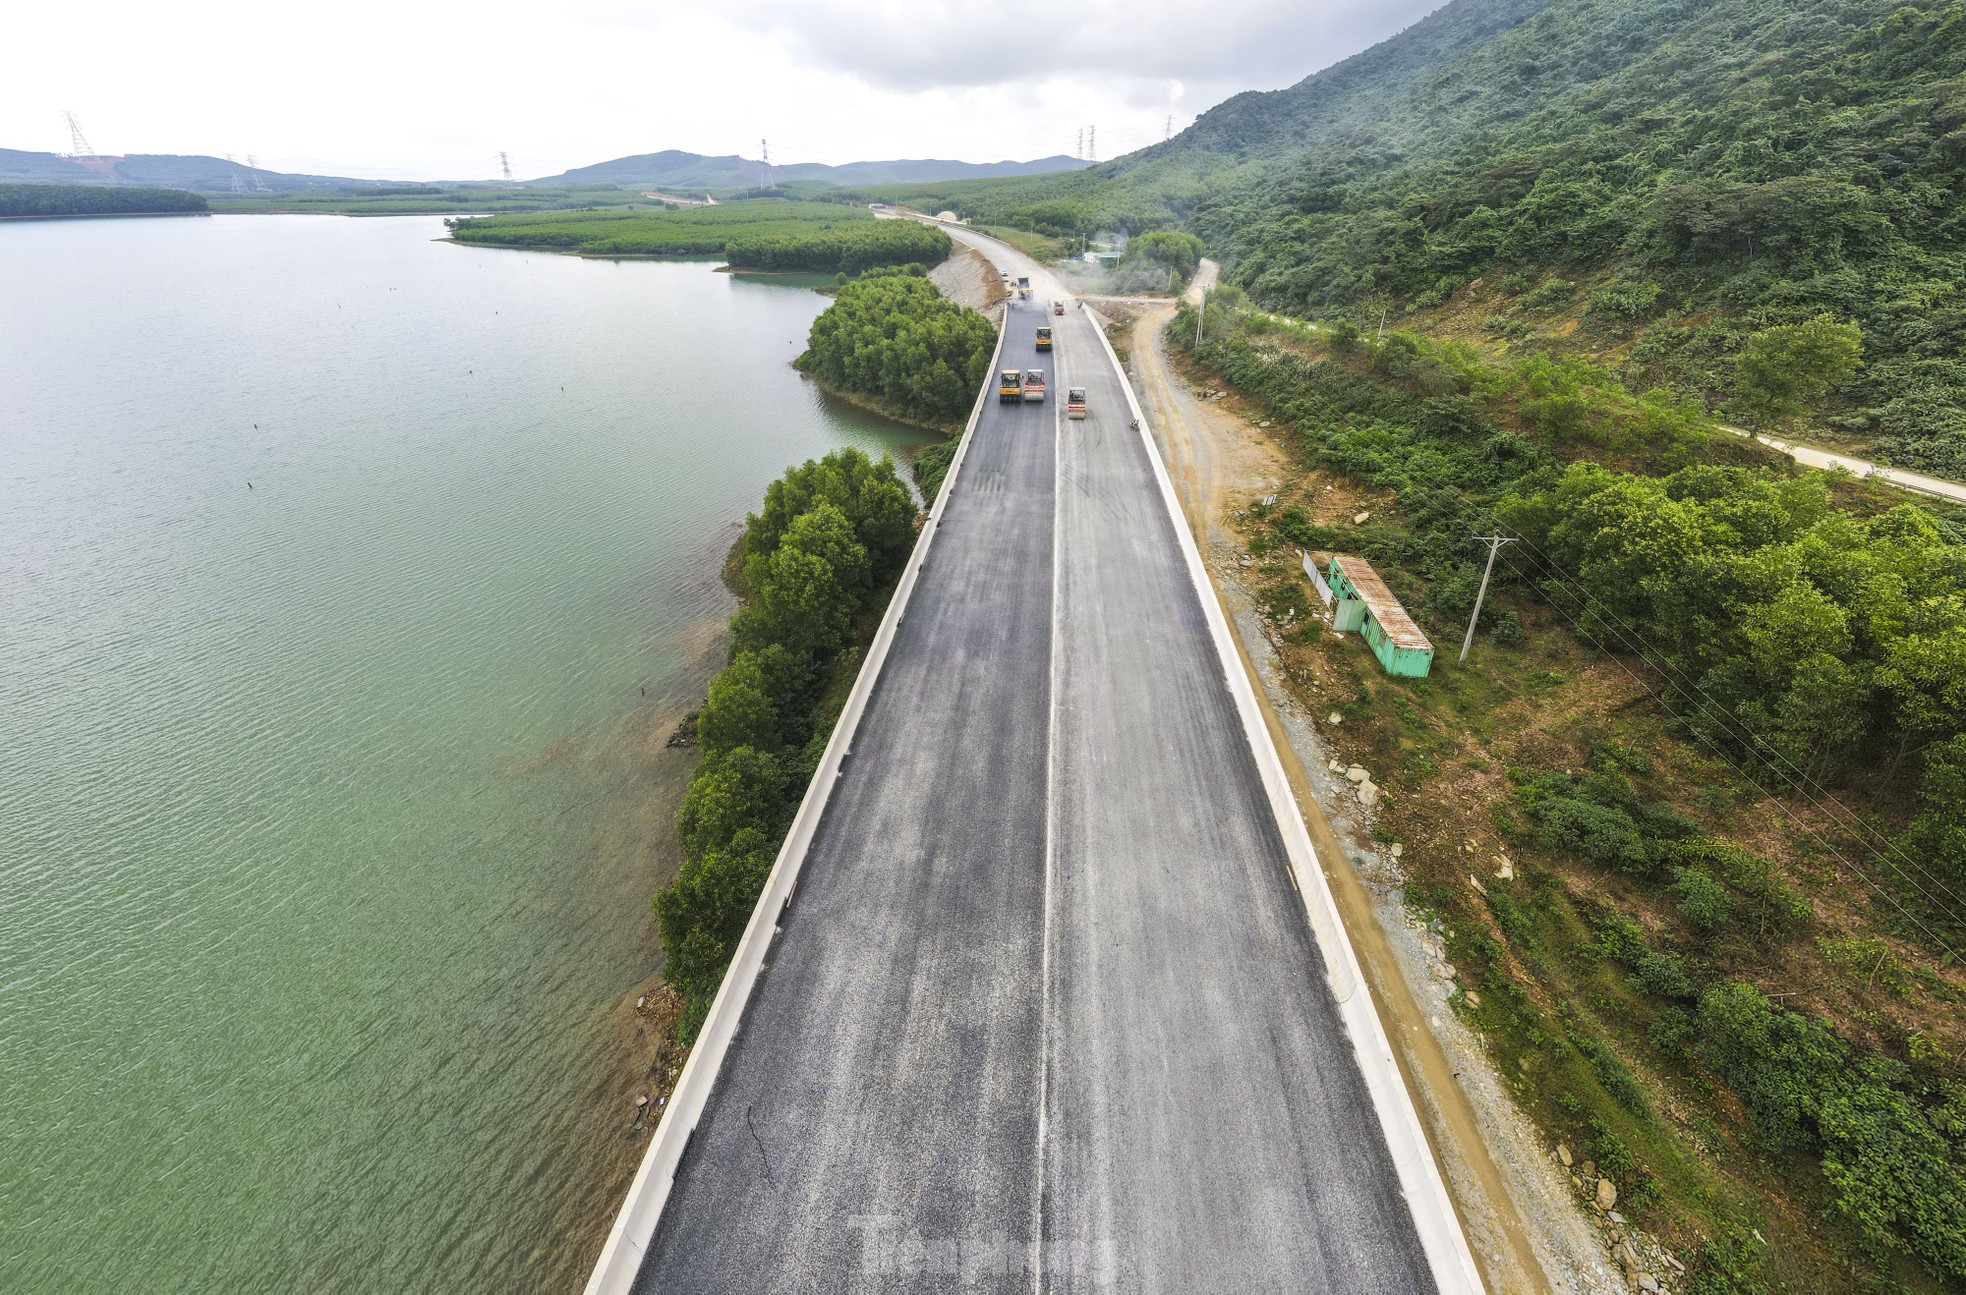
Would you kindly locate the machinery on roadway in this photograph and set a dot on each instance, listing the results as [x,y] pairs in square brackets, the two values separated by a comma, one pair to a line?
[1057,306]
[1010,386]
[1033,384]
[1044,339]
[1075,402]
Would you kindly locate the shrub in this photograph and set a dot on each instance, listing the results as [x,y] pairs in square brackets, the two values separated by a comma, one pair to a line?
[1782,367]
[1894,1151]
[1702,900]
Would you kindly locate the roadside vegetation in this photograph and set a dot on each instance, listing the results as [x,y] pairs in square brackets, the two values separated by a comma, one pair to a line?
[891,338]
[754,234]
[815,569]
[1694,814]
[94,200]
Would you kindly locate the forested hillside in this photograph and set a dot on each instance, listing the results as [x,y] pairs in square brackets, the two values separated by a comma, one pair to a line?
[1647,182]
[1673,178]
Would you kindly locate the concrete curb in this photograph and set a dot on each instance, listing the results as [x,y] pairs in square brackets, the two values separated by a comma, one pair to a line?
[634,1226]
[1441,1235]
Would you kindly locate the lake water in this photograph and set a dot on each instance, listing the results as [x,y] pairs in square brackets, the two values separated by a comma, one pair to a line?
[325,831]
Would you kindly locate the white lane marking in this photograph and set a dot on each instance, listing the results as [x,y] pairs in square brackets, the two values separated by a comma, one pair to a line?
[1050,839]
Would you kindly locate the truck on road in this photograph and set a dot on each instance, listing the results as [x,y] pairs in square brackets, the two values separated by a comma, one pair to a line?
[1034,384]
[1010,386]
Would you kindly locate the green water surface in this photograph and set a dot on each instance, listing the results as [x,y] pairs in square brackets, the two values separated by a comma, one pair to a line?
[323,801]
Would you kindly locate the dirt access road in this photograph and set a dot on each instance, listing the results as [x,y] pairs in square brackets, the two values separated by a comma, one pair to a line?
[1513,1202]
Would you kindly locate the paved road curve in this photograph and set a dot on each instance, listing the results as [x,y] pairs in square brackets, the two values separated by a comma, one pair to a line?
[1046,1011]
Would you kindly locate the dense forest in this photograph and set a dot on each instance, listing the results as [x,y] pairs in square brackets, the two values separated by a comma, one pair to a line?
[1650,182]
[892,336]
[1800,639]
[816,561]
[94,200]
[755,234]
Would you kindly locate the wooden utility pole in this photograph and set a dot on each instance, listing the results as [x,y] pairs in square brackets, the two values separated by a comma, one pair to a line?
[1494,543]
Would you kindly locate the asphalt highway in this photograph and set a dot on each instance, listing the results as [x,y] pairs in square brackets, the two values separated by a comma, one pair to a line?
[1045,1012]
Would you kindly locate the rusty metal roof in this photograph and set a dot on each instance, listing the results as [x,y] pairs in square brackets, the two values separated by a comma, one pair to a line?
[1385,608]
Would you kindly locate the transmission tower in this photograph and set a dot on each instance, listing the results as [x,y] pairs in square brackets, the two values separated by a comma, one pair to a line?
[1167,131]
[764,147]
[505,167]
[238,181]
[252,164]
[1078,145]
[1092,143]
[78,144]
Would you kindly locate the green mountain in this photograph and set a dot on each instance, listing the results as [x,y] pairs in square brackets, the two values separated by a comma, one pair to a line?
[168,170]
[1647,182]
[670,169]
[673,168]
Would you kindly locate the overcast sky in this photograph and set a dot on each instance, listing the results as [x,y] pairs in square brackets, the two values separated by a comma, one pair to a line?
[412,89]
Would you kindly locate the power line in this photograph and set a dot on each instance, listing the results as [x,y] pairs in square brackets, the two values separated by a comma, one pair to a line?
[1713,746]
[1820,797]
[1713,709]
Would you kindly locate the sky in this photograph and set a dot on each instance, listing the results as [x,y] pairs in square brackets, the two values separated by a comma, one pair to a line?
[409,89]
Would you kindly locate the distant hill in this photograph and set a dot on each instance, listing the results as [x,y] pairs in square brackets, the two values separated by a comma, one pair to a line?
[669,169]
[167,170]
[673,168]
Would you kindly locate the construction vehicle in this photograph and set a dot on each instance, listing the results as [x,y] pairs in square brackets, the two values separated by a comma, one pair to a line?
[1075,402]
[1057,306]
[1044,339]
[1010,387]
[1033,384]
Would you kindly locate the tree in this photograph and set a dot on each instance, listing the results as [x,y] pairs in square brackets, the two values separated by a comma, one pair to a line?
[1783,367]
[737,789]
[1167,248]
[808,589]
[738,711]
[703,913]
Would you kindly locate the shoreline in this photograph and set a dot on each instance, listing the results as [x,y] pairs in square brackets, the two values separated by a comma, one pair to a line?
[875,405]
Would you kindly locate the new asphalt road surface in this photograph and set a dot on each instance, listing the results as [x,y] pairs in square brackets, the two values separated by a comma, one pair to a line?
[1046,1012]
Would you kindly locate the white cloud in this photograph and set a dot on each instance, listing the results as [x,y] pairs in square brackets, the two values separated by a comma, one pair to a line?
[915,44]
[412,88]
